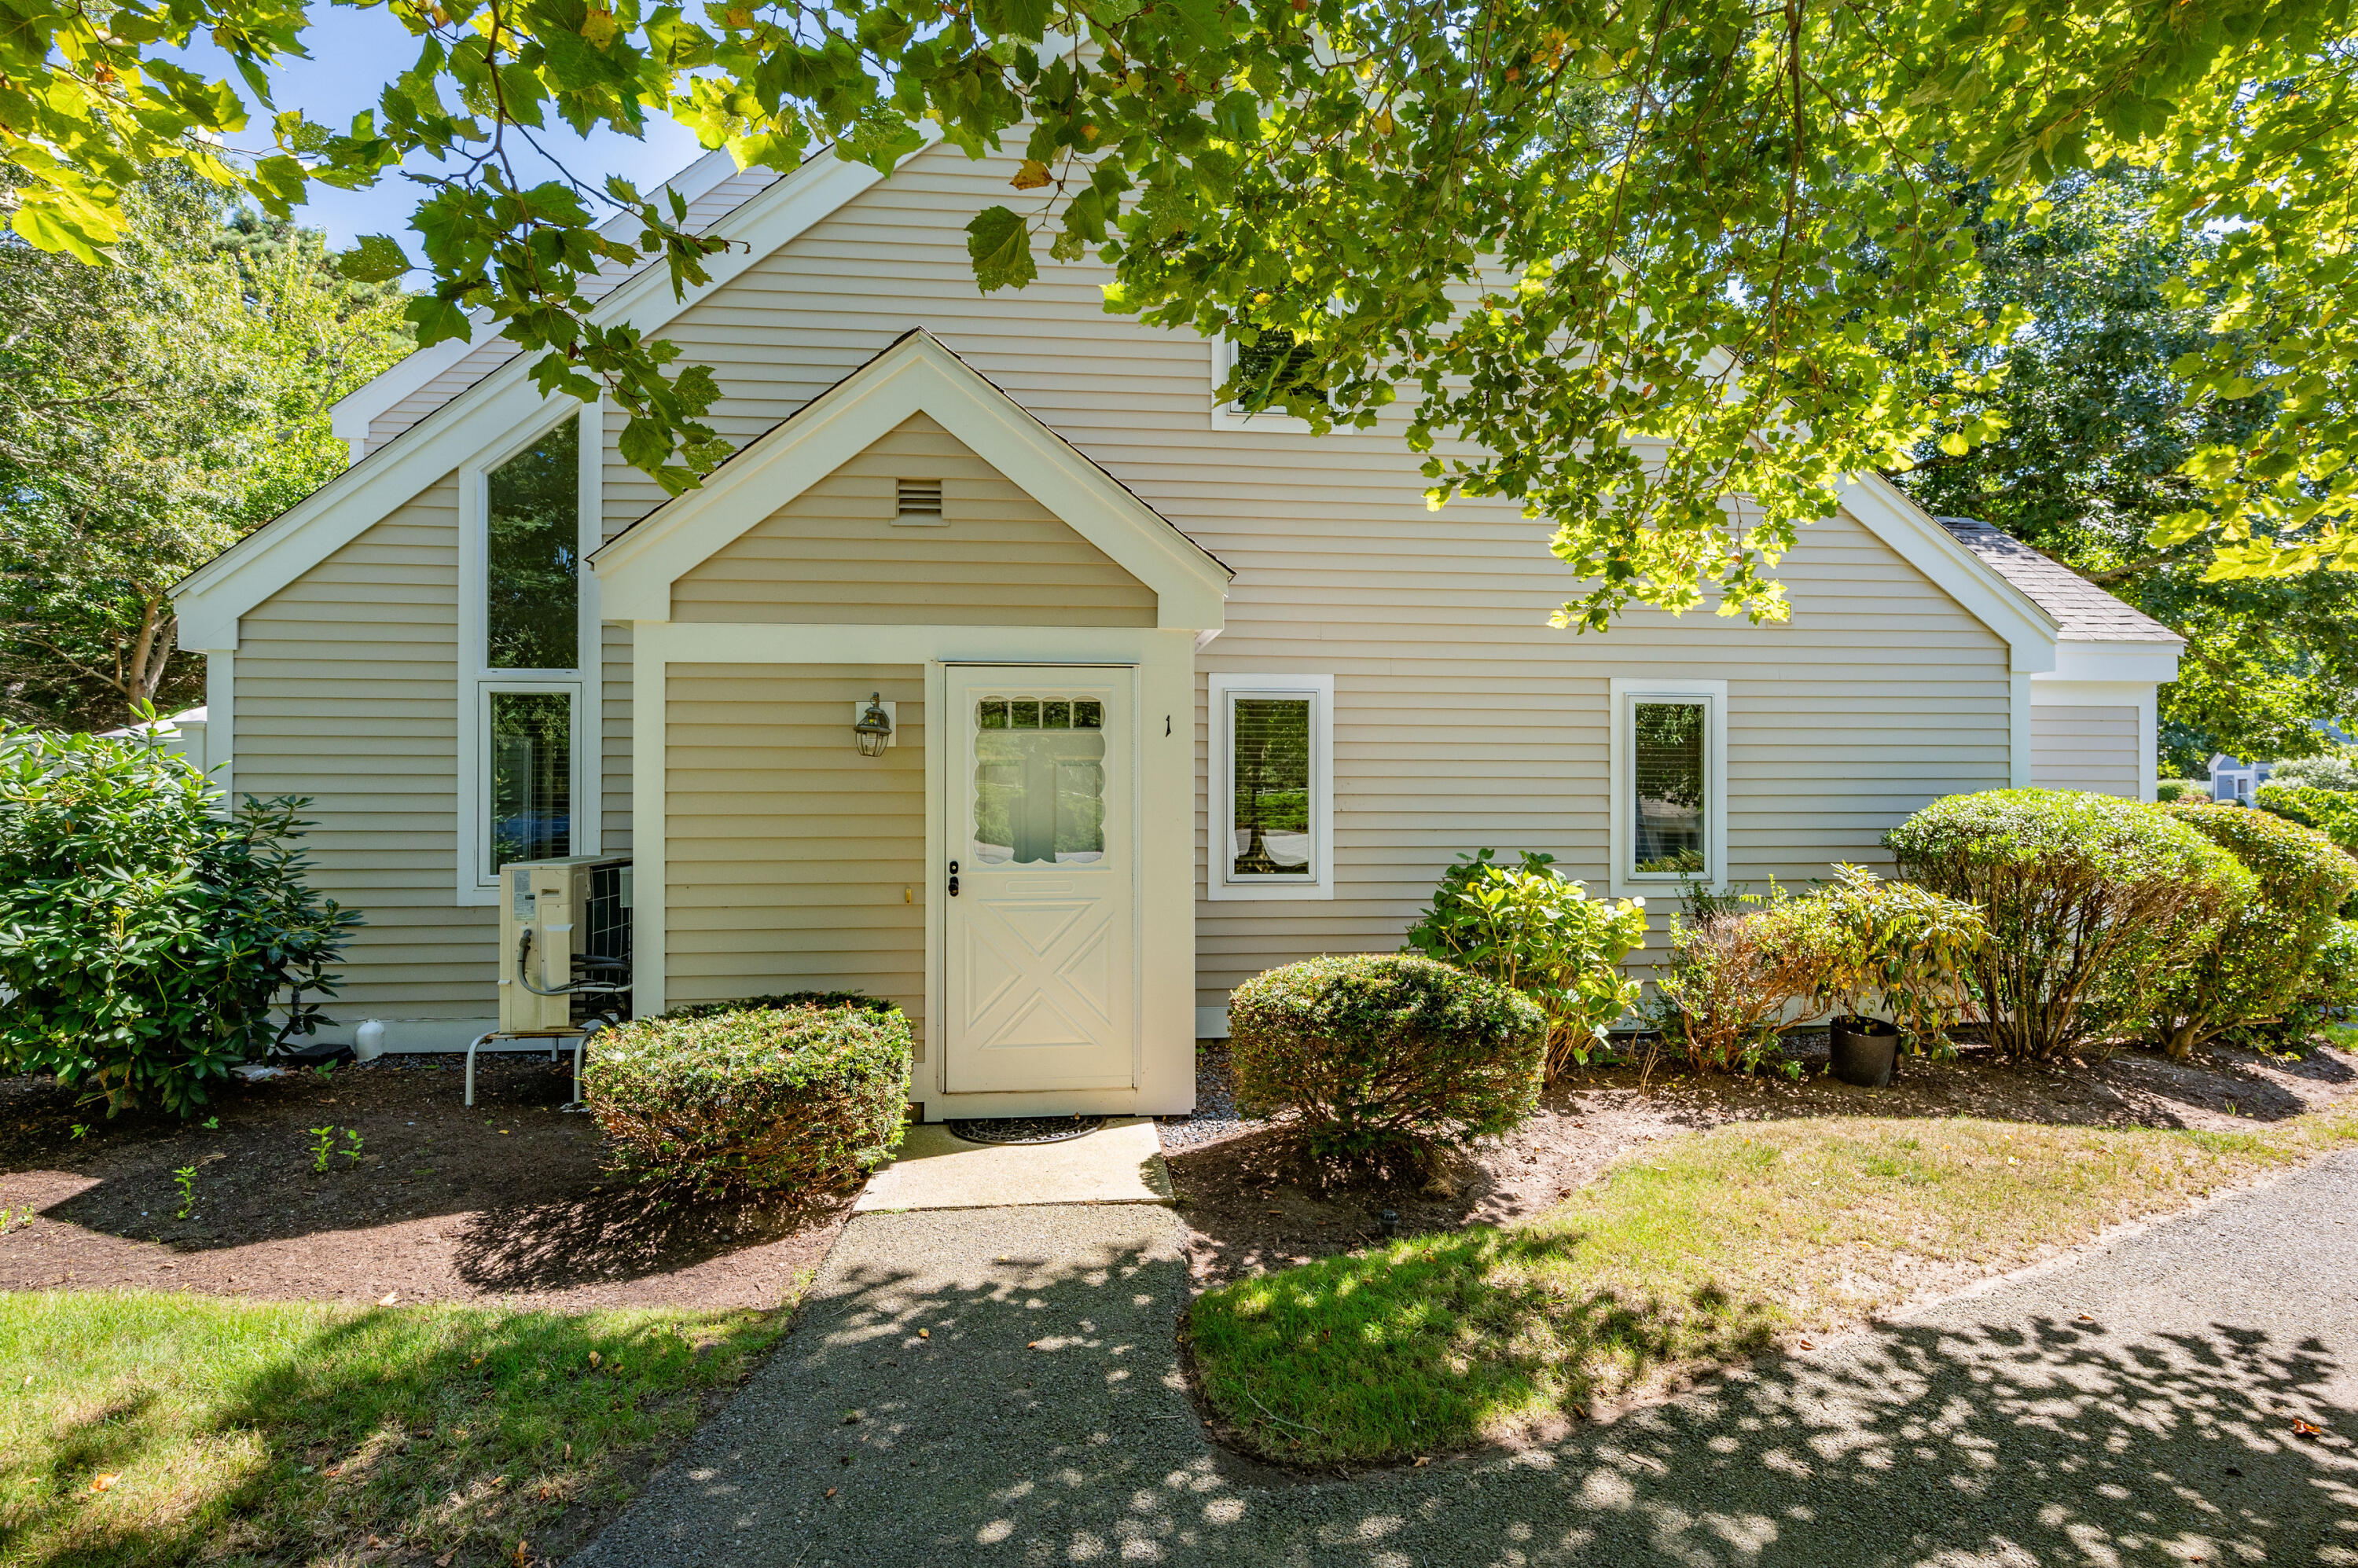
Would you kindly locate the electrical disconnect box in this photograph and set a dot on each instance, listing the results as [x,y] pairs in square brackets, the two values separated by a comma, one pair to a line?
[565,943]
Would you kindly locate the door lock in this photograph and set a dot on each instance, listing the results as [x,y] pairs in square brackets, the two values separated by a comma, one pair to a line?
[954,871]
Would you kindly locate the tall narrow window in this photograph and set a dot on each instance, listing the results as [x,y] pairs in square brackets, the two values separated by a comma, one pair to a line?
[1669,832]
[532,590]
[530,753]
[1271,790]
[529,750]
[1270,831]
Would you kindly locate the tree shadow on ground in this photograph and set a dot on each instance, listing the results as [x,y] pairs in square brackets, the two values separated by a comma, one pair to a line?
[1043,1417]
[620,1234]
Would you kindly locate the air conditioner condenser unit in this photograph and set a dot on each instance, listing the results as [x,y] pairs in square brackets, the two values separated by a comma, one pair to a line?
[565,943]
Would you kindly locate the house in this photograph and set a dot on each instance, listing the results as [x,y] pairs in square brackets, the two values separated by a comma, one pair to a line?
[2233,779]
[1174,693]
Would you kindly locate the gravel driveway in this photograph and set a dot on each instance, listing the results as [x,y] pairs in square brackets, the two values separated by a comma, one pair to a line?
[1039,1420]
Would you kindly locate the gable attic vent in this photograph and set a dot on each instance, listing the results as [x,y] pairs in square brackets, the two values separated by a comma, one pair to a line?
[921,503]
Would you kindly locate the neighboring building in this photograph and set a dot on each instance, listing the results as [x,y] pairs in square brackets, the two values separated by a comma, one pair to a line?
[1176,694]
[2233,779]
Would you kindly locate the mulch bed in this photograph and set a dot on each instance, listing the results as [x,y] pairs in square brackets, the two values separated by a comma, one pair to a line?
[1253,1205]
[504,1203]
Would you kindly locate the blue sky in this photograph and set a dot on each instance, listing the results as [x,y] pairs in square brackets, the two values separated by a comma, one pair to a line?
[353,55]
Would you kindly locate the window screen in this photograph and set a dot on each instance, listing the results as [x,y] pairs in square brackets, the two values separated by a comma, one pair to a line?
[1270,756]
[532,538]
[1668,836]
[532,776]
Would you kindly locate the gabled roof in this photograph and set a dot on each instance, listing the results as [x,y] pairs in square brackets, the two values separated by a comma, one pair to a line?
[2082,612]
[917,374]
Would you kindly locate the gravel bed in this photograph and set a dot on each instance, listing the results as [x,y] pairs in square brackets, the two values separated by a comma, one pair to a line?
[1216,1116]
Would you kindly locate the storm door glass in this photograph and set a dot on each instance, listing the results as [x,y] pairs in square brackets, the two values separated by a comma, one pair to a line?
[532,776]
[1039,781]
[1667,837]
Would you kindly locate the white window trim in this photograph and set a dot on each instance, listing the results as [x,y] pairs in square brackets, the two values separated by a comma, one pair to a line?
[1627,693]
[477,680]
[1217,882]
[1228,416]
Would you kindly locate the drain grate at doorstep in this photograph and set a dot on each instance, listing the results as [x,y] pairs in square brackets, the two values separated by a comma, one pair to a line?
[1024,1128]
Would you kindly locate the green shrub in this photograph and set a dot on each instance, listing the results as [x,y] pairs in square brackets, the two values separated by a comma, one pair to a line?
[755,1100]
[2333,771]
[2088,899]
[2332,812]
[2167,790]
[1865,942]
[781,1000]
[2327,994]
[2256,969]
[1732,978]
[1373,1056]
[1531,929]
[147,940]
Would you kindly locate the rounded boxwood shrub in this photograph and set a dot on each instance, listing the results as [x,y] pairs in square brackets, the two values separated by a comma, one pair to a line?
[753,1099]
[150,943]
[1377,1054]
[2256,969]
[2088,899]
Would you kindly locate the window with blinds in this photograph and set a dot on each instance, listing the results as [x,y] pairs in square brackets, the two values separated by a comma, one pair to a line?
[1668,834]
[1269,829]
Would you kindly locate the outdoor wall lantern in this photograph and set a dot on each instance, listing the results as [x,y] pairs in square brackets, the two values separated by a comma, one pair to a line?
[874,729]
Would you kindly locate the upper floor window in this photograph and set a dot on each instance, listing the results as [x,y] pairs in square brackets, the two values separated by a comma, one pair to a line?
[1274,365]
[532,556]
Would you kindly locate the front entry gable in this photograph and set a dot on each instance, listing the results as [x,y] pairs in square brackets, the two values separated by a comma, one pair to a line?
[845,552]
[752,511]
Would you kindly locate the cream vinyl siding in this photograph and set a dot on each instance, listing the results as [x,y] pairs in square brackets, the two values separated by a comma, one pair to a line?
[346,692]
[2086,747]
[833,555]
[791,861]
[492,350]
[1461,719]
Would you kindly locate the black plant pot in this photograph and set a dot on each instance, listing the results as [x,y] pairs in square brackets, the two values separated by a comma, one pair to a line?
[1866,1050]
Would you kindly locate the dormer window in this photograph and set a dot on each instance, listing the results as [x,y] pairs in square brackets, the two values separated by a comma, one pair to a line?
[920,503]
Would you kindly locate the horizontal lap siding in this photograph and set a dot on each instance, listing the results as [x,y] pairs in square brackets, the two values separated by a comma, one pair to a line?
[347,692]
[791,863]
[1462,720]
[2089,747]
[833,555]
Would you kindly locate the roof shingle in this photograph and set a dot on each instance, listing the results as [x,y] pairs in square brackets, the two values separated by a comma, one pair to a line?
[2081,611]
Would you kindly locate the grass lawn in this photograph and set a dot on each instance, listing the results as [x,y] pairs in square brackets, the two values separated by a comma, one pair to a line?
[1698,1250]
[145,1428]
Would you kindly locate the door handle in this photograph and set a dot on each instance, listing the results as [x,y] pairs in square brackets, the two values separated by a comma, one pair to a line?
[954,871]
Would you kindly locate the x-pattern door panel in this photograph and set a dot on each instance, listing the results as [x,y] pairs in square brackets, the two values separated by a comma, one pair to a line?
[1041,941]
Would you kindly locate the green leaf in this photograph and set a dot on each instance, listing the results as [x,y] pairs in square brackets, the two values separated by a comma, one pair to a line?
[375,258]
[1000,244]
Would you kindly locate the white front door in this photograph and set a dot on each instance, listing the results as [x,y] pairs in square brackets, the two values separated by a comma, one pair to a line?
[1042,945]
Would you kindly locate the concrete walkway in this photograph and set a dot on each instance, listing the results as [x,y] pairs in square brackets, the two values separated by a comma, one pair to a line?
[1041,1419]
[1119,1163]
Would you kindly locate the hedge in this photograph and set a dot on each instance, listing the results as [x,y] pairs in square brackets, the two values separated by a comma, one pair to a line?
[2258,968]
[753,1100]
[1377,1054]
[2089,898]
